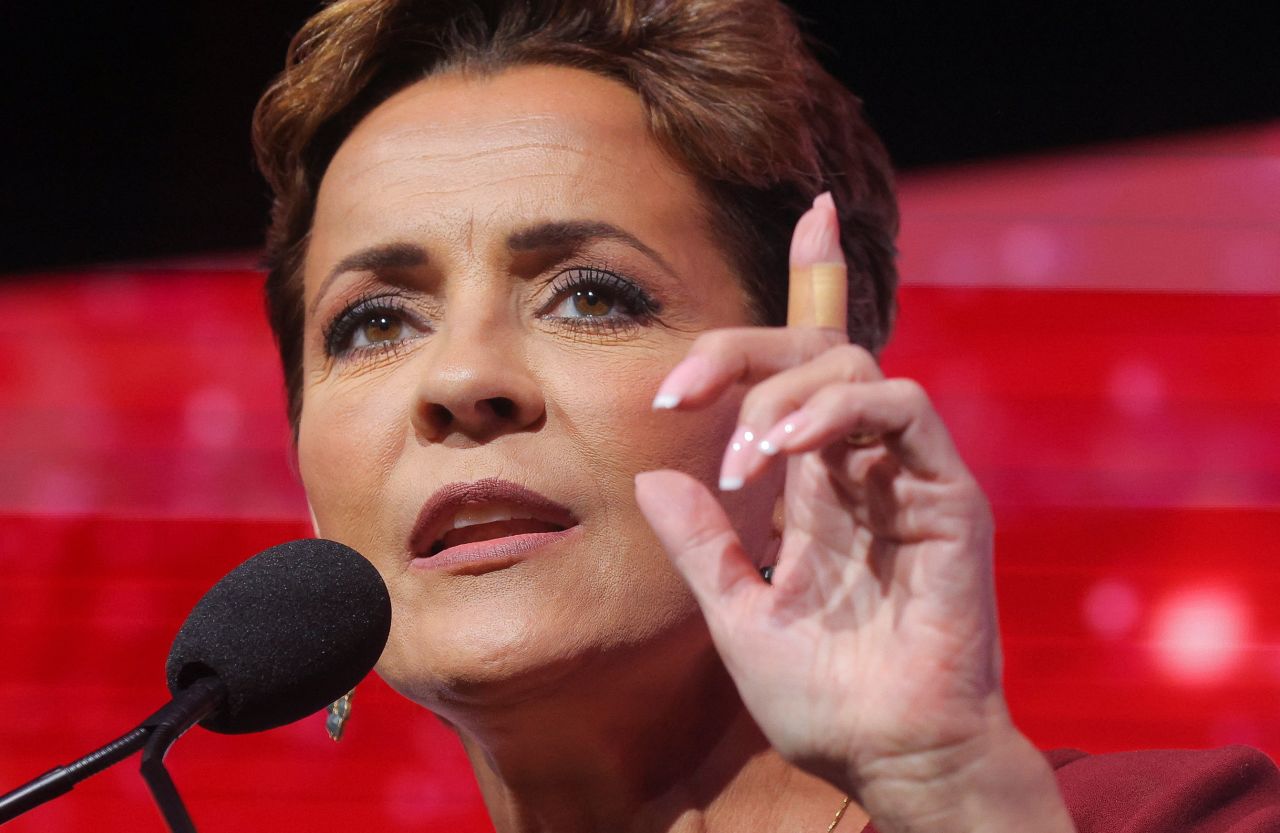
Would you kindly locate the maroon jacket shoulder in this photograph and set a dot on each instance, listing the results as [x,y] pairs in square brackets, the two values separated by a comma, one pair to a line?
[1235,789]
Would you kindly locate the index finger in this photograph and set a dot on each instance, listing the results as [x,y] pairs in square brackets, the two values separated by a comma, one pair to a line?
[817,303]
[740,355]
[818,291]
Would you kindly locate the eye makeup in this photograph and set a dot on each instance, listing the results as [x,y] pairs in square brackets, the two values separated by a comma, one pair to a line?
[386,310]
[586,299]
[580,294]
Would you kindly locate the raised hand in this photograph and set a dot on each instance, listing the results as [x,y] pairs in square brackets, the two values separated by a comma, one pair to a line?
[872,659]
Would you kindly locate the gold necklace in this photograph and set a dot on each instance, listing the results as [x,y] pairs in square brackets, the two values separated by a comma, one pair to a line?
[839,814]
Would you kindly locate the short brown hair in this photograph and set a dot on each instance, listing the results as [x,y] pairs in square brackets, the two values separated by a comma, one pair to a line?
[729,88]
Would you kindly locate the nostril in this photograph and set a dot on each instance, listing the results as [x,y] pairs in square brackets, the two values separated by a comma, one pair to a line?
[503,408]
[481,418]
[441,416]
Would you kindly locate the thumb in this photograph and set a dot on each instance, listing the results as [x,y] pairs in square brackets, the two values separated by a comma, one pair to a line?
[698,538]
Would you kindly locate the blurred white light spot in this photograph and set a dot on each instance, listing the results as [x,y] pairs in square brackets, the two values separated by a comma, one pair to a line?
[1200,634]
[1136,388]
[1111,608]
[213,417]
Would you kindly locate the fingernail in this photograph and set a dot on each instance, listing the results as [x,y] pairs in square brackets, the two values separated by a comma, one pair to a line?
[737,460]
[817,235]
[679,382]
[786,429]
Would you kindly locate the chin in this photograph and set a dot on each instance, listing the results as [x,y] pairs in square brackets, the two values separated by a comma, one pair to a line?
[495,649]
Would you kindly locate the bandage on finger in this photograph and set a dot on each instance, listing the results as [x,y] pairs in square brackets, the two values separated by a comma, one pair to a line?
[818,296]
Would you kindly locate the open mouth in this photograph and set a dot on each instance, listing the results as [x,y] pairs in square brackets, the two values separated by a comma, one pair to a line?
[489,531]
[486,518]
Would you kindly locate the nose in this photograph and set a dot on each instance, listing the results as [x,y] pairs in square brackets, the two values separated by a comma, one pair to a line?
[475,387]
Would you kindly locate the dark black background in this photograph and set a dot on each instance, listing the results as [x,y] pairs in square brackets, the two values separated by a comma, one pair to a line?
[125,126]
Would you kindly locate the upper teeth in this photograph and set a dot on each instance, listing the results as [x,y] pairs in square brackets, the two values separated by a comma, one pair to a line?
[472,515]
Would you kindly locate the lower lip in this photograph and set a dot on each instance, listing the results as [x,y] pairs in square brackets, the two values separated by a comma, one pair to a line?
[494,554]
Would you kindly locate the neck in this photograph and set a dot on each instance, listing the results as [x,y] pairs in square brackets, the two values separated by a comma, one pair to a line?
[642,750]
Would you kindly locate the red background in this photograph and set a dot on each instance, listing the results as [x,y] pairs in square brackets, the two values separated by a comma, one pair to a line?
[1101,330]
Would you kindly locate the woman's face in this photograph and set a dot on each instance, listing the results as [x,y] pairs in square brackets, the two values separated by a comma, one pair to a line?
[500,272]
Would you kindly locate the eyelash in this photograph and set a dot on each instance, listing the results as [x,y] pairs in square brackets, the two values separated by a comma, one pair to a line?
[637,308]
[338,335]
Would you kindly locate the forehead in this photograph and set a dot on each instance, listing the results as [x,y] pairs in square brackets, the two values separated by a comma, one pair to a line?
[455,155]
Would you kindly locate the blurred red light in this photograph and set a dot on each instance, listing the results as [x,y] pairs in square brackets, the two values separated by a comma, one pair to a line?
[1112,608]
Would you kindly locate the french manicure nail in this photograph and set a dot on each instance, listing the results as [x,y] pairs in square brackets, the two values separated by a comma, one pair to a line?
[678,383]
[733,471]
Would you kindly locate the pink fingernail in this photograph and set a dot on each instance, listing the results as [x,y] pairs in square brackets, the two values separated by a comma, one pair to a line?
[737,460]
[679,382]
[817,234]
[784,432]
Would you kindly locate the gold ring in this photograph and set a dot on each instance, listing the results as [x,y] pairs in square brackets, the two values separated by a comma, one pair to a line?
[864,439]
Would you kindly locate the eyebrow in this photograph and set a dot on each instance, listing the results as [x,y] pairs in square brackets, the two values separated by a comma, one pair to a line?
[566,234]
[559,234]
[372,259]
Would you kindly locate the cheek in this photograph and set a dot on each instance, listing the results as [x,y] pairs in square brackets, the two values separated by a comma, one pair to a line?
[608,416]
[350,436]
[605,408]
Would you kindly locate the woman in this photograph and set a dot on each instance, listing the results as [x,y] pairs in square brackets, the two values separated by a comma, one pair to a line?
[523,257]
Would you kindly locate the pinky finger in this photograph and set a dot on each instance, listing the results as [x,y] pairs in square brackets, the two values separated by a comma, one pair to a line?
[896,413]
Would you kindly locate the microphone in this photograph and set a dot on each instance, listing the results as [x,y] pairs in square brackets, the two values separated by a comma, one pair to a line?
[279,637]
[288,632]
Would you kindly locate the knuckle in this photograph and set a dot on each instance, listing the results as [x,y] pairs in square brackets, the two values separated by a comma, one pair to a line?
[820,339]
[727,349]
[712,343]
[841,399]
[911,392]
[851,362]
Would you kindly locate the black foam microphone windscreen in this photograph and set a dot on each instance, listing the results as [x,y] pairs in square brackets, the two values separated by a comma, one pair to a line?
[288,632]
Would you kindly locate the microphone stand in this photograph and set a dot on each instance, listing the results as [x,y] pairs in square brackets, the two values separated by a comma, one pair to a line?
[154,736]
[196,702]
[60,780]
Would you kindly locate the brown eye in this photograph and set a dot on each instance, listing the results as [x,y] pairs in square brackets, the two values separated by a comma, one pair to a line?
[595,298]
[380,328]
[377,323]
[592,302]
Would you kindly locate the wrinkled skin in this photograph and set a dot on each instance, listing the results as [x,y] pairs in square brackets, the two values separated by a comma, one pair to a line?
[583,679]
